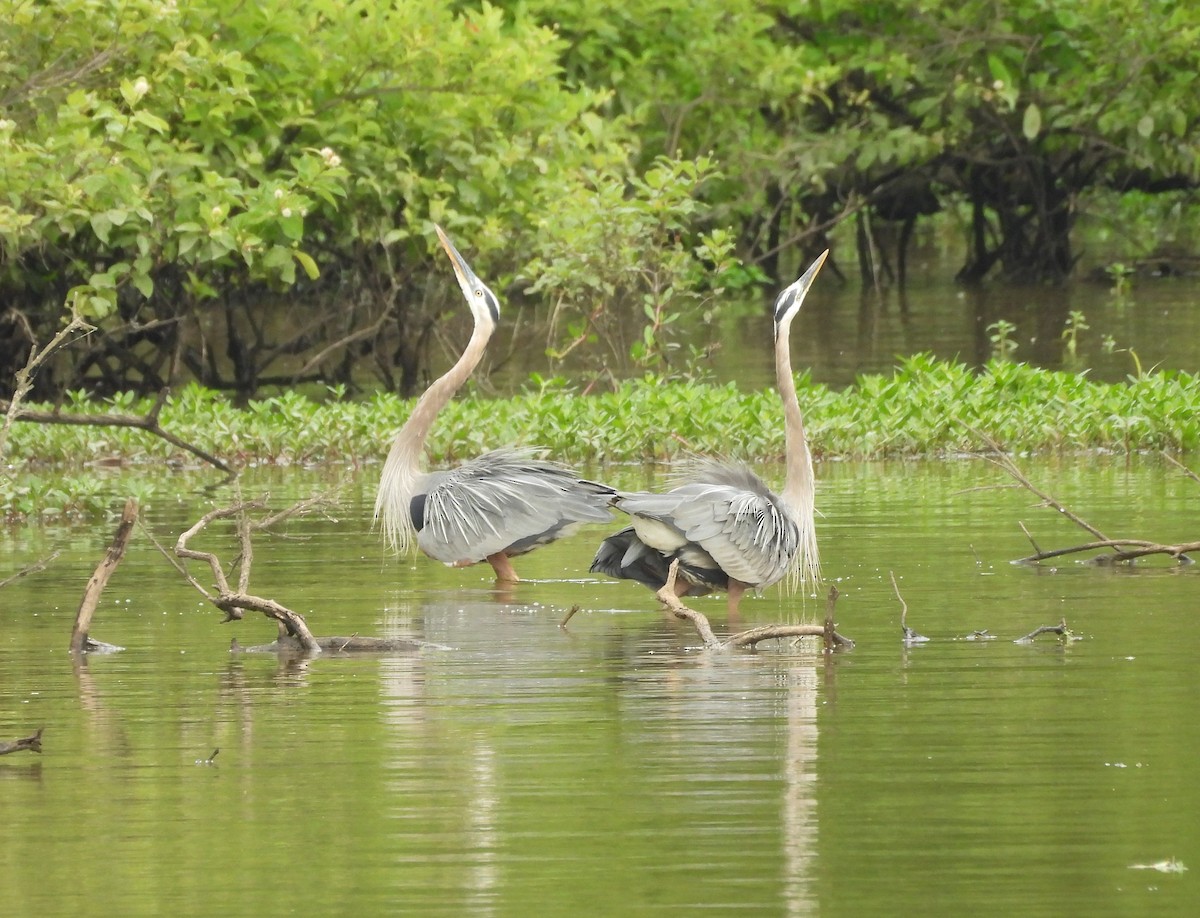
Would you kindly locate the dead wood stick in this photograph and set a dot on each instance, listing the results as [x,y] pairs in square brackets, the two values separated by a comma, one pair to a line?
[753,636]
[666,595]
[903,604]
[25,375]
[32,743]
[31,569]
[570,614]
[1125,550]
[1060,629]
[104,570]
[828,631]
[148,422]
[232,602]
[1183,468]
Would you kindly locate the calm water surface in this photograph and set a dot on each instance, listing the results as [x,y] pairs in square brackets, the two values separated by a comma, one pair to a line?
[612,767]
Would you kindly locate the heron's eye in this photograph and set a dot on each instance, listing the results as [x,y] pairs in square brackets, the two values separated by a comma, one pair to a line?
[479,293]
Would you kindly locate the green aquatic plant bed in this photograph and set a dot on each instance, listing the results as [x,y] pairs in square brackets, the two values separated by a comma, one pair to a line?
[926,407]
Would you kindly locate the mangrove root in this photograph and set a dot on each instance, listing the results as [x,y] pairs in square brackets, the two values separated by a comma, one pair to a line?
[104,570]
[31,743]
[753,636]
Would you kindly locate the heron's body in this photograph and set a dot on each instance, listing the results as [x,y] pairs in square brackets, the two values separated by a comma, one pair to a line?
[724,526]
[499,505]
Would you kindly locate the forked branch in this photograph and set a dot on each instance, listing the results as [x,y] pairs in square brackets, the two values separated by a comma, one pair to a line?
[753,636]
[1120,550]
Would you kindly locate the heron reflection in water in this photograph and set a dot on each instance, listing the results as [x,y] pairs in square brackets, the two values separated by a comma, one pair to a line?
[502,504]
[724,526]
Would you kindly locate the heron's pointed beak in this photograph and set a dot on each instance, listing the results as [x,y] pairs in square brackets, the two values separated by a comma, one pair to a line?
[807,277]
[462,270]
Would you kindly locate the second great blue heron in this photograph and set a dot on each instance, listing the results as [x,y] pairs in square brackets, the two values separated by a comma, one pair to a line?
[502,504]
[726,528]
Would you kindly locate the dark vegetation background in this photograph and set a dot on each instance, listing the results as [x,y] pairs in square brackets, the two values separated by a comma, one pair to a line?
[242,194]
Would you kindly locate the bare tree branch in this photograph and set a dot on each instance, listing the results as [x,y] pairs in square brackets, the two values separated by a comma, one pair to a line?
[104,570]
[753,636]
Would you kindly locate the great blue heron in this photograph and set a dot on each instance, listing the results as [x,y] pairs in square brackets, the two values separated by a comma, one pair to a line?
[502,504]
[726,528]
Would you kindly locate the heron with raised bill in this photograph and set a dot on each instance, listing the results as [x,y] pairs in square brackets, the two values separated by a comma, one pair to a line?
[727,529]
[492,508]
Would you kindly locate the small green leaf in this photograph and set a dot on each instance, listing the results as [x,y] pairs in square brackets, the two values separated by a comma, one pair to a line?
[293,227]
[101,226]
[1031,126]
[307,263]
[144,284]
[1145,127]
[153,122]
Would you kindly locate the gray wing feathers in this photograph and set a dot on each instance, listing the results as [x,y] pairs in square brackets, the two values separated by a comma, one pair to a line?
[732,515]
[502,499]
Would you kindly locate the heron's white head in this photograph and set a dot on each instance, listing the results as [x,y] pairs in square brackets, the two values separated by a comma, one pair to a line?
[484,304]
[788,303]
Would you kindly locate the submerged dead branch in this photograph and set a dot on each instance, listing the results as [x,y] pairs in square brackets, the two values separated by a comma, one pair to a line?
[30,743]
[1121,550]
[34,568]
[100,577]
[234,602]
[294,634]
[753,636]
[1059,629]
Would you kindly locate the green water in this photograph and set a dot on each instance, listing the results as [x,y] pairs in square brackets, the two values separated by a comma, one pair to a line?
[612,768]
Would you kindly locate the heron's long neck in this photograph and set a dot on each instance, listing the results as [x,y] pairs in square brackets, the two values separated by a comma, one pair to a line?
[798,486]
[401,471]
[416,429]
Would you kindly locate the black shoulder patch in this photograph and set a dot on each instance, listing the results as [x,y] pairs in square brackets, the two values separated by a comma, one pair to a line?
[416,511]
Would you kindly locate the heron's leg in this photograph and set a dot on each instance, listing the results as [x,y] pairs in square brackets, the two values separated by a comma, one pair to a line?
[503,567]
[736,589]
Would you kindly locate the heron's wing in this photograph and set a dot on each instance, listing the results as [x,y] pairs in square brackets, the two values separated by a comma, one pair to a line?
[506,500]
[732,516]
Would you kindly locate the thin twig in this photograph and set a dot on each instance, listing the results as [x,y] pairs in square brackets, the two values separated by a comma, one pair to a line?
[31,569]
[1183,468]
[25,376]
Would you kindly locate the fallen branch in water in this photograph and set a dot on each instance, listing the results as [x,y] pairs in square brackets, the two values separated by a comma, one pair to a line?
[233,602]
[754,635]
[30,743]
[1059,629]
[1122,550]
[31,569]
[80,641]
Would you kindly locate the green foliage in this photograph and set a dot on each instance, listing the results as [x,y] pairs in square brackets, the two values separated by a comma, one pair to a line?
[926,408]
[1004,345]
[614,240]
